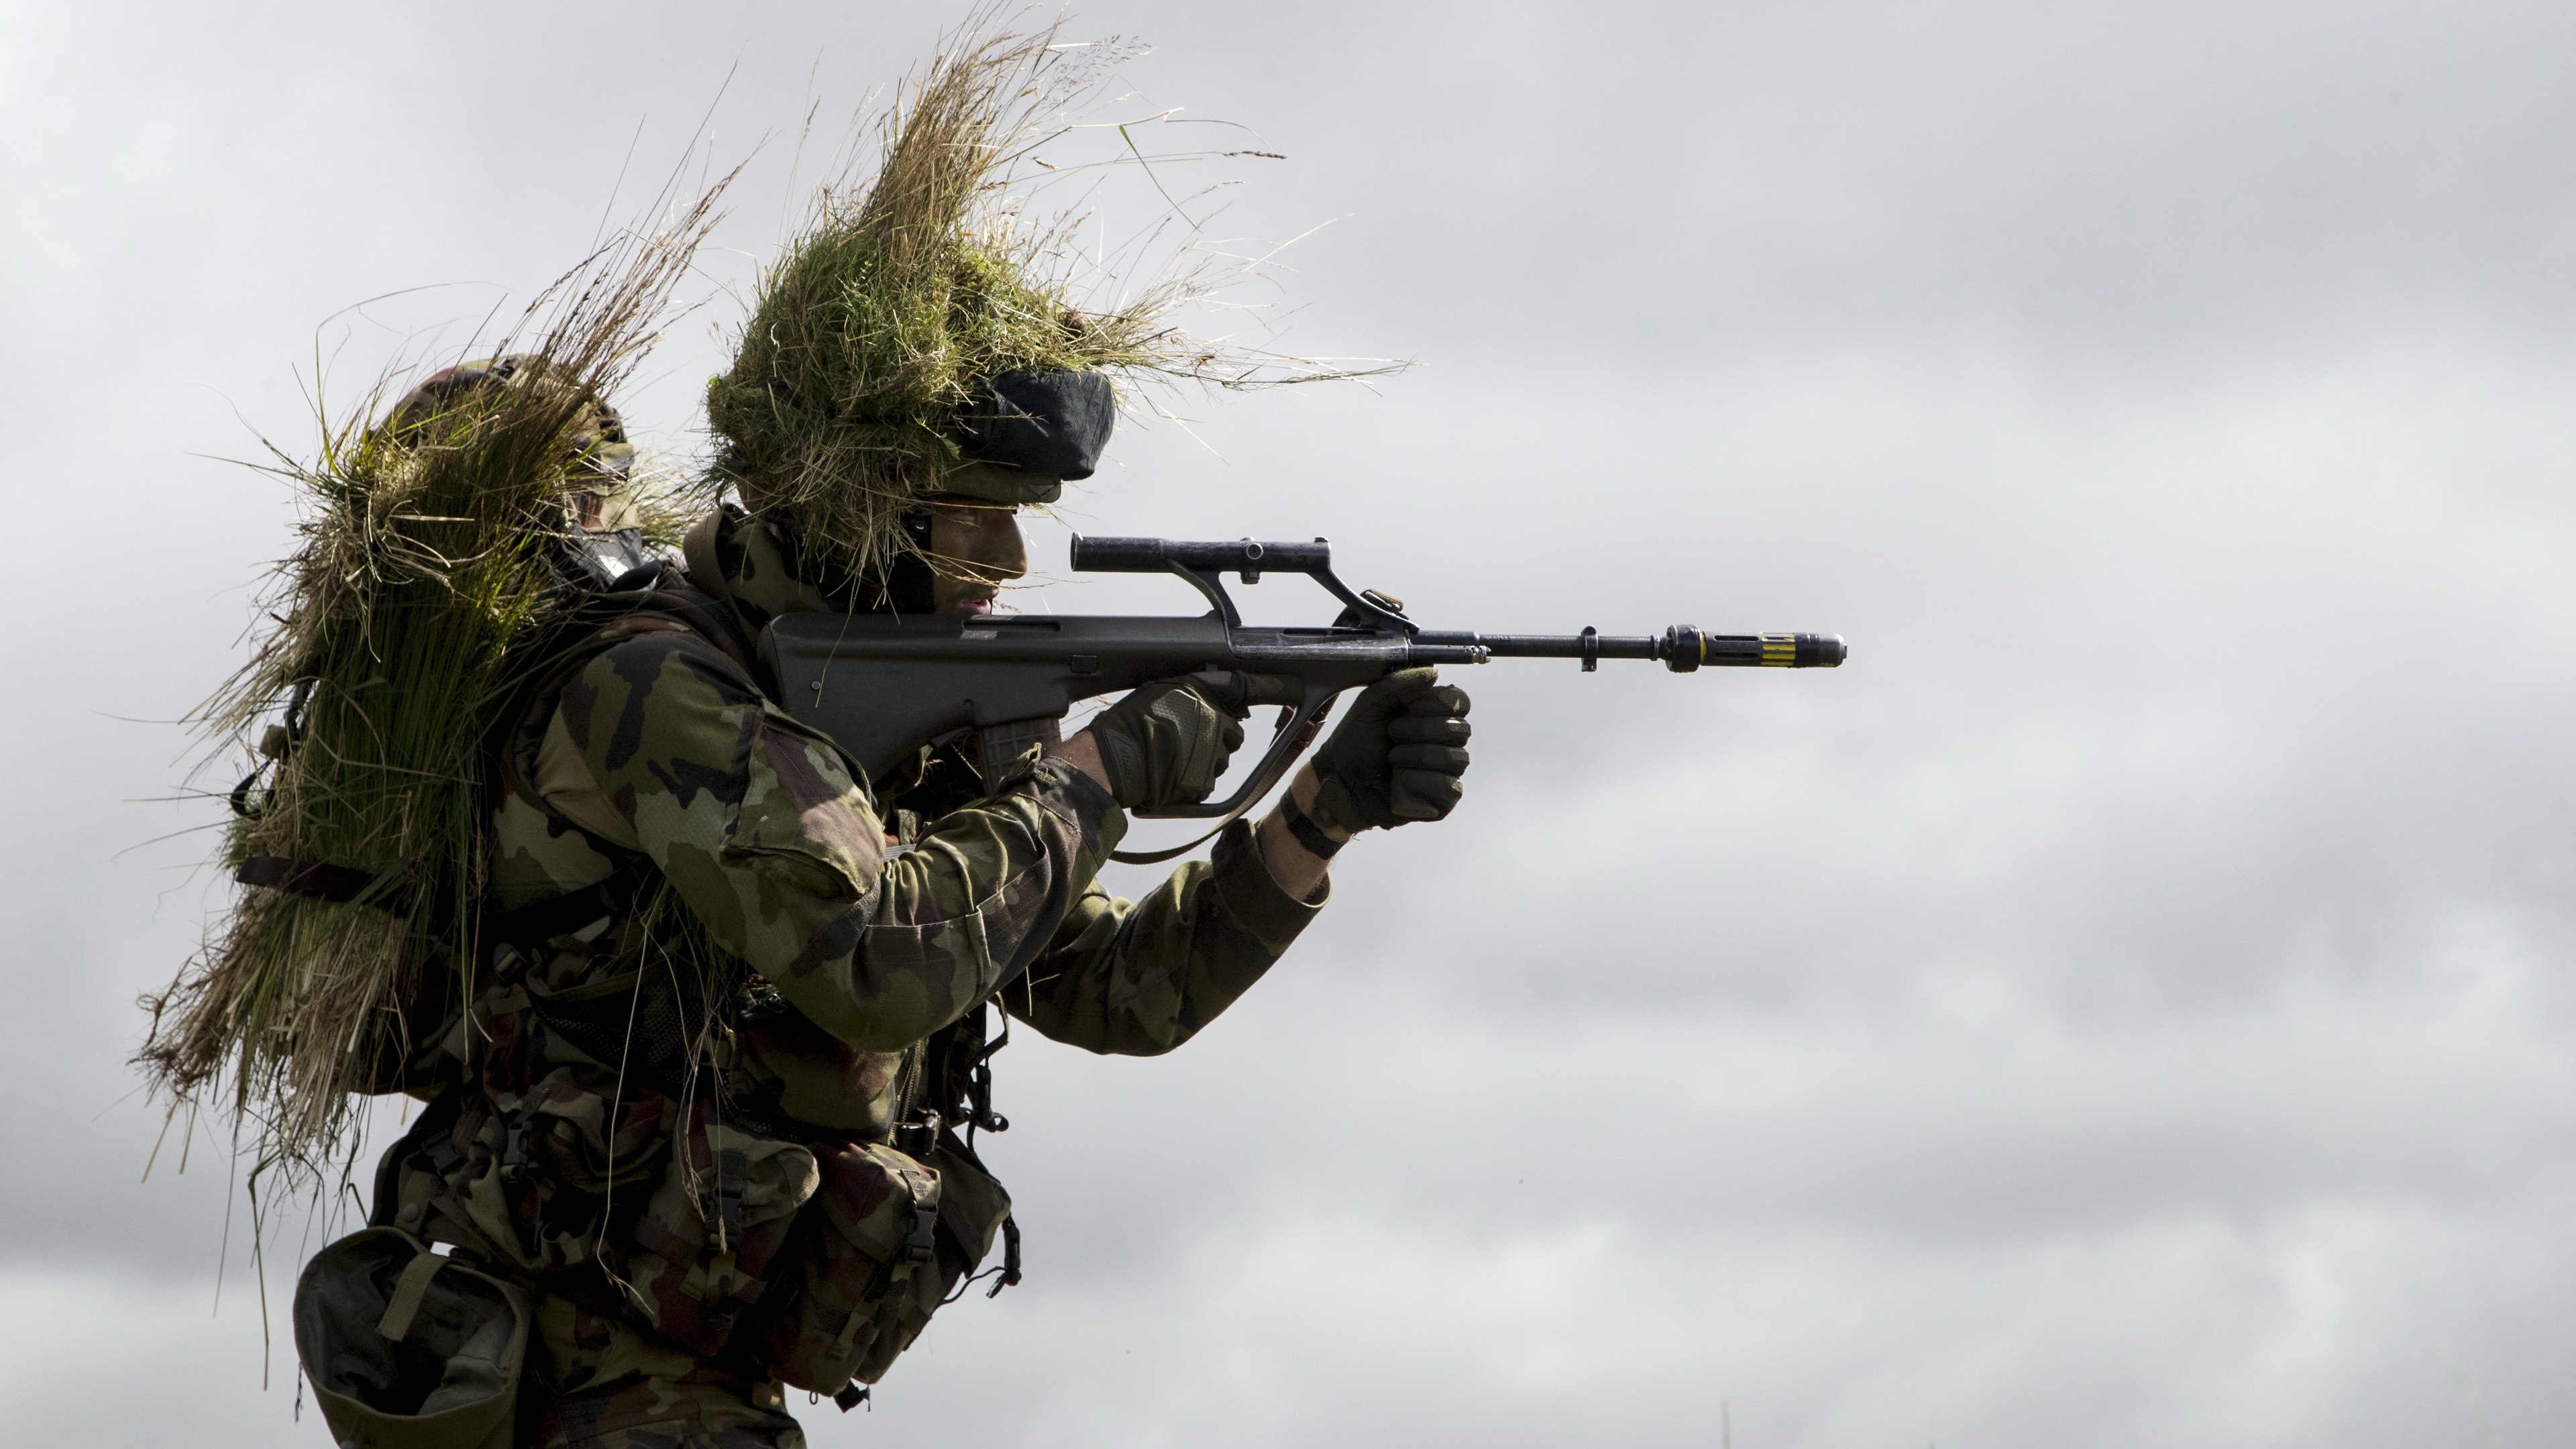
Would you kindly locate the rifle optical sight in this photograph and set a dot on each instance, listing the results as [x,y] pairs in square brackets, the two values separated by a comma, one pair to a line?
[1250,557]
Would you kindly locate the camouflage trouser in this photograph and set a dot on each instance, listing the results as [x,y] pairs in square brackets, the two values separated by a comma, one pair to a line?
[598,1382]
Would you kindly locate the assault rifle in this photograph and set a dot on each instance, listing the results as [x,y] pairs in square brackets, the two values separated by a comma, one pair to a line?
[883,686]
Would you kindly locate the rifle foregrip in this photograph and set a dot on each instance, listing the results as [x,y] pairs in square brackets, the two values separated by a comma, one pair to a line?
[998,746]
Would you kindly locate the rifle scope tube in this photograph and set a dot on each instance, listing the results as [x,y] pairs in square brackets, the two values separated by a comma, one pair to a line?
[1682,648]
[1157,555]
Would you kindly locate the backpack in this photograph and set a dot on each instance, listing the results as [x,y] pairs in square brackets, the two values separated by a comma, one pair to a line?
[446,552]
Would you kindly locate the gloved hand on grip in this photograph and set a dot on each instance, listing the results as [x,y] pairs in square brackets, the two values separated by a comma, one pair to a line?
[1166,743]
[1397,756]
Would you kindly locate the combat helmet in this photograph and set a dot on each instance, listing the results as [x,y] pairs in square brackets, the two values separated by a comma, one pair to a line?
[906,345]
[603,525]
[918,337]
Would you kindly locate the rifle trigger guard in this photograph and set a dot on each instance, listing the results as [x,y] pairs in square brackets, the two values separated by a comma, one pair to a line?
[1296,732]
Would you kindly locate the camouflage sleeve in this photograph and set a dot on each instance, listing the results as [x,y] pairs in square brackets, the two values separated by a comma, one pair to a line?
[1138,979]
[662,746]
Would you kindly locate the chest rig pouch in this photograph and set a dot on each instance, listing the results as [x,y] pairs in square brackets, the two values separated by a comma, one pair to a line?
[888,1239]
[707,1245]
[896,1229]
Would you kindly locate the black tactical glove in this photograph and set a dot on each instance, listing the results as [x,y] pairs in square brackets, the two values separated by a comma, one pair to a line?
[1397,756]
[1166,742]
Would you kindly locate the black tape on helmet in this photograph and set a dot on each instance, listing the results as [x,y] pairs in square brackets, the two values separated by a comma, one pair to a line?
[1049,424]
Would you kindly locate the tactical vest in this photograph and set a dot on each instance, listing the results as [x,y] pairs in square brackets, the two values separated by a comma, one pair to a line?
[686,1197]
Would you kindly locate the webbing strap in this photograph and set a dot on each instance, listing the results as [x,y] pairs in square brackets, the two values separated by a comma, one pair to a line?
[319,879]
[569,912]
[706,577]
[413,1286]
[698,548]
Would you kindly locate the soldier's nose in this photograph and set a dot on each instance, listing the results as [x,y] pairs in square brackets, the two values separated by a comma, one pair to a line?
[1010,558]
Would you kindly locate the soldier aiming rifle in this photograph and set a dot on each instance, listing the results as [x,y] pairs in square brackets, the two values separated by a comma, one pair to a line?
[746,849]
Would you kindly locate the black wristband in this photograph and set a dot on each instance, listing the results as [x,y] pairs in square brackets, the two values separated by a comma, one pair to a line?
[1308,833]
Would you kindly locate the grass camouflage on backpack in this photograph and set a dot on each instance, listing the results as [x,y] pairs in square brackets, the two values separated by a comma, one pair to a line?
[440,546]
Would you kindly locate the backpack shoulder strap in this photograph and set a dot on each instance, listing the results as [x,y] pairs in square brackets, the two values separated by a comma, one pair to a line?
[661,596]
[654,607]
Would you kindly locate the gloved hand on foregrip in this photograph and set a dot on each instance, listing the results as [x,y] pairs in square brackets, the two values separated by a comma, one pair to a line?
[1166,742]
[1397,756]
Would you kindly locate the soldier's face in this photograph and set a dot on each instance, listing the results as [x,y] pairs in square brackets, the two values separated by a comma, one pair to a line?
[975,548]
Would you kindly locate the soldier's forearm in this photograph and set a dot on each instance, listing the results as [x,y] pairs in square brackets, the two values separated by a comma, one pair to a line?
[949,920]
[1083,753]
[1140,979]
[1297,844]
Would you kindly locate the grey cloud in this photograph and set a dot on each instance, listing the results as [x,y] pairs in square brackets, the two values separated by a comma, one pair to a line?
[2124,1006]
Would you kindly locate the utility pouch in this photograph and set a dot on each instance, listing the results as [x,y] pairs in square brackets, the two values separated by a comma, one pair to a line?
[704,1249]
[406,1349]
[883,1245]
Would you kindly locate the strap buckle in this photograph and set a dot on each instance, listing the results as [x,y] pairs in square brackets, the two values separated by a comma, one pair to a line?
[514,1151]
[920,1137]
[731,1171]
[921,1245]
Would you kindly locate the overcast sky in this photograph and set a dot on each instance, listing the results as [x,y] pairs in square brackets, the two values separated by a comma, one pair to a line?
[2125,1006]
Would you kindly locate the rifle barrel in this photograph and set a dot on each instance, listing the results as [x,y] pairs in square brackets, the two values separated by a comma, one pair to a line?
[1682,648]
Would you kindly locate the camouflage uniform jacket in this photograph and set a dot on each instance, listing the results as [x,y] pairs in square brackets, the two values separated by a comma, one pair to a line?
[762,959]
